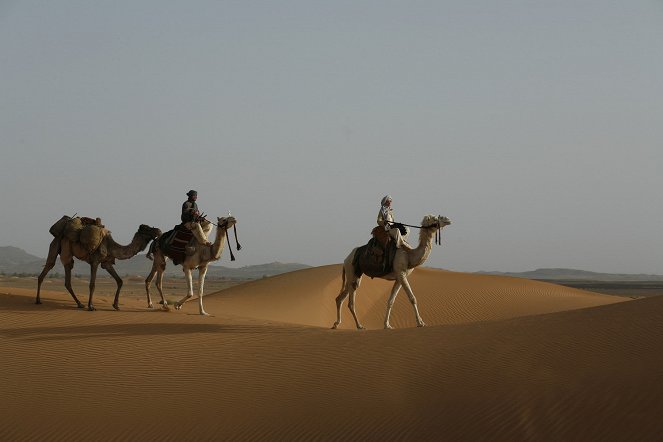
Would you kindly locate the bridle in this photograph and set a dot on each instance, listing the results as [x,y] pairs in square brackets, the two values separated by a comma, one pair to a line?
[437,225]
[225,226]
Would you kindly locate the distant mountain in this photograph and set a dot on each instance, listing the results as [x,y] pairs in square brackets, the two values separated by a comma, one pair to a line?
[17,261]
[578,275]
[13,256]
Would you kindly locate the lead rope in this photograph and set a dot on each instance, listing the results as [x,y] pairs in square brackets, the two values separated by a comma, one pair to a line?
[239,247]
[438,232]
[232,257]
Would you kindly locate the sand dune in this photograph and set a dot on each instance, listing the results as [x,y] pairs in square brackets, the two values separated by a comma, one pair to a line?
[308,296]
[502,359]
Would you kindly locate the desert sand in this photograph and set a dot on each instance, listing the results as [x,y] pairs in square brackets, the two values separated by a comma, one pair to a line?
[501,359]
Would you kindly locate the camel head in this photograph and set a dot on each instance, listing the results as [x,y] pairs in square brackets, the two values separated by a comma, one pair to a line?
[435,222]
[226,222]
[149,233]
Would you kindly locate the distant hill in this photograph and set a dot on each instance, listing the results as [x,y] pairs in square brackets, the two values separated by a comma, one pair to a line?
[17,261]
[578,275]
[13,256]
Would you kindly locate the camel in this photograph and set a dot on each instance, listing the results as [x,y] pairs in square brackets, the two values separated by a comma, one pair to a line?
[200,259]
[105,255]
[405,261]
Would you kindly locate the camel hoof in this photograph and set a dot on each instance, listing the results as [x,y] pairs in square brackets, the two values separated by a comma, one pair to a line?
[90,308]
[204,314]
[421,324]
[116,307]
[388,327]
[37,302]
[150,306]
[178,306]
[335,326]
[80,305]
[165,308]
[361,327]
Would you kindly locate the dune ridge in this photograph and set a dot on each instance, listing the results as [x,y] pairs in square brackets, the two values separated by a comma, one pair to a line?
[307,297]
[502,359]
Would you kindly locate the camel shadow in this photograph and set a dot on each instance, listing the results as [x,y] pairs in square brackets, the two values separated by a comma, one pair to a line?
[15,303]
[67,333]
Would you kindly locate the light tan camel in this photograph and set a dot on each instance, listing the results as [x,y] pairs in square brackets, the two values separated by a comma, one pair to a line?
[202,256]
[104,255]
[404,263]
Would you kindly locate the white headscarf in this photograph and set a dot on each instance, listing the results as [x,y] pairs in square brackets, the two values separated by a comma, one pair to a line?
[385,209]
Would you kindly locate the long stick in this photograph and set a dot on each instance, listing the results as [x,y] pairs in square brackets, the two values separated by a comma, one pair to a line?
[402,224]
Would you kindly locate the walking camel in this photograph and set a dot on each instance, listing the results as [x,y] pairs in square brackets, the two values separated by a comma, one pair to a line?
[200,259]
[405,261]
[105,255]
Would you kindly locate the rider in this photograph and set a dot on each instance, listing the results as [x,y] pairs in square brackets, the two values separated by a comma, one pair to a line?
[191,218]
[397,231]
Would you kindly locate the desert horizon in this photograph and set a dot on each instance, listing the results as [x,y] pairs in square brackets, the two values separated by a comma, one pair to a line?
[510,150]
[501,358]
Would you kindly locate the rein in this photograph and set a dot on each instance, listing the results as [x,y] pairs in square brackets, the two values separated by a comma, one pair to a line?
[239,247]
[237,244]
[438,232]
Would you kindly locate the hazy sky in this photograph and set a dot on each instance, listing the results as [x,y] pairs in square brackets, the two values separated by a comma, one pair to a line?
[536,126]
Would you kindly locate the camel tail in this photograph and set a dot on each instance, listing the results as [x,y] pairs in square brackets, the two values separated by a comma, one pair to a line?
[150,251]
[343,279]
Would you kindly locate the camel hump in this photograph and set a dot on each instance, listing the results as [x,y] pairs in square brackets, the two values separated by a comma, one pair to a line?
[72,230]
[174,243]
[381,235]
[374,259]
[91,221]
[91,236]
[57,229]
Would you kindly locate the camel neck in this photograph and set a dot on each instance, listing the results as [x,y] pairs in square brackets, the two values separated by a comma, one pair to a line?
[219,241]
[419,255]
[130,250]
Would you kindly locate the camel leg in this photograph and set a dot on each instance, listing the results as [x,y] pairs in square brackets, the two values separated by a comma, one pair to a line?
[148,283]
[340,298]
[390,303]
[160,289]
[68,266]
[93,279]
[111,270]
[339,303]
[413,300]
[202,271]
[158,268]
[189,293]
[351,302]
[53,251]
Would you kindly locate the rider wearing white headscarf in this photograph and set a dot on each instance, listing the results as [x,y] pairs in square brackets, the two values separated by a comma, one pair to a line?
[386,220]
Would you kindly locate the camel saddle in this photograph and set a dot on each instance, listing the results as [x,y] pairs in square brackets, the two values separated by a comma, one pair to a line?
[376,258]
[174,243]
[381,235]
[72,226]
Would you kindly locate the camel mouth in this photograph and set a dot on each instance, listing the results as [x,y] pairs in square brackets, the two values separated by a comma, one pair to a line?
[439,224]
[151,232]
[226,222]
